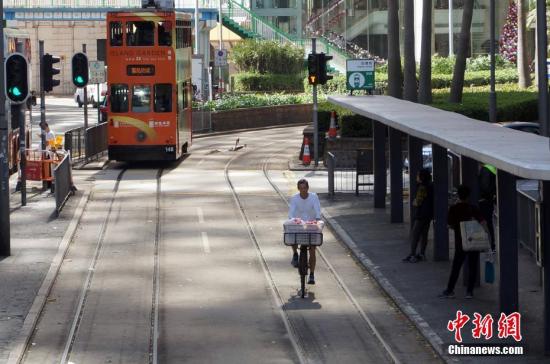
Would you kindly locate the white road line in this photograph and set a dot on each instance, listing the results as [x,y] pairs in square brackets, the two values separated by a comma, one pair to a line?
[201,215]
[205,243]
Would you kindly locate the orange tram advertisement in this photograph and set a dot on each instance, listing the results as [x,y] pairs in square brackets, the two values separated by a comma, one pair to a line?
[149,80]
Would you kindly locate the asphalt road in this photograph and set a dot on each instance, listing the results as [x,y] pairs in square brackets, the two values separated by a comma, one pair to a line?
[184,262]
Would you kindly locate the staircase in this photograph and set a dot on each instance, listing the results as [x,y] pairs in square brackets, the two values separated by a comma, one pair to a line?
[246,24]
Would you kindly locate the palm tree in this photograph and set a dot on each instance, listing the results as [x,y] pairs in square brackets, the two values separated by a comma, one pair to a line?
[410,92]
[425,85]
[394,56]
[532,20]
[522,61]
[463,45]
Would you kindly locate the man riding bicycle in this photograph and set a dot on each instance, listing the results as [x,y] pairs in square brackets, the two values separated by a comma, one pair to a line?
[305,205]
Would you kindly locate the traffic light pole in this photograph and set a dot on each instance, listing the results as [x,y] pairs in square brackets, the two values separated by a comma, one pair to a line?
[315,121]
[4,168]
[42,97]
[85,105]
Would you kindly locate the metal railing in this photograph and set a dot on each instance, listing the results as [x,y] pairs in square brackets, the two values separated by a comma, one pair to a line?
[84,147]
[63,183]
[528,215]
[202,121]
[345,176]
[75,143]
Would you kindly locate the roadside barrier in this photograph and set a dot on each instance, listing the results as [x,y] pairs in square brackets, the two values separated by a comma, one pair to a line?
[63,183]
[83,144]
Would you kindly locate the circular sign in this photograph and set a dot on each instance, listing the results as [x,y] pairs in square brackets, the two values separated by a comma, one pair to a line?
[356,80]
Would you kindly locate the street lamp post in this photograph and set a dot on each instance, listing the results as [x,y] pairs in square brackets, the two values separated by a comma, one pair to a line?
[492,93]
[451,51]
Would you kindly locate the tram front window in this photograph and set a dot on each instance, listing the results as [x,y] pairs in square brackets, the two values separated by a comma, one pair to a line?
[141,98]
[119,97]
[140,33]
[163,97]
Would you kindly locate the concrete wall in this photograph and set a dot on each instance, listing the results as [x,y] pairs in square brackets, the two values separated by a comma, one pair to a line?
[62,39]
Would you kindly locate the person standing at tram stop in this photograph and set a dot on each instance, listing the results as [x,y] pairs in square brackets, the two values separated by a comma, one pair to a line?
[423,205]
[487,198]
[305,205]
[463,211]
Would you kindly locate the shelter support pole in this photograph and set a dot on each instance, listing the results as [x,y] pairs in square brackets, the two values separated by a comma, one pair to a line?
[415,164]
[469,177]
[545,232]
[441,182]
[396,176]
[379,146]
[508,242]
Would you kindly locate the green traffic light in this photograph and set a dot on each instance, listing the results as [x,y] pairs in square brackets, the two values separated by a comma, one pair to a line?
[15,91]
[79,80]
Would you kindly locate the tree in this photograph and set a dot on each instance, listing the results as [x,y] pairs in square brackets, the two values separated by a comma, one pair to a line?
[394,56]
[410,92]
[508,42]
[425,85]
[457,84]
[522,60]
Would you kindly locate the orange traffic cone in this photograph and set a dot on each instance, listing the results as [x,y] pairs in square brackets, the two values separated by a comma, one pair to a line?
[306,158]
[332,127]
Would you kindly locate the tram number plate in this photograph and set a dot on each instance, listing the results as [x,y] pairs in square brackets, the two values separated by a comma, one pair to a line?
[169,149]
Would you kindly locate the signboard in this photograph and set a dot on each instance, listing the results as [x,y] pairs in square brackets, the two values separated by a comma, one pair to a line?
[97,71]
[220,59]
[360,74]
[140,70]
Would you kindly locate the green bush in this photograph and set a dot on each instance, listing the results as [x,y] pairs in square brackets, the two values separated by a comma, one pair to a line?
[355,126]
[230,102]
[513,104]
[337,85]
[268,82]
[261,56]
[483,63]
[442,65]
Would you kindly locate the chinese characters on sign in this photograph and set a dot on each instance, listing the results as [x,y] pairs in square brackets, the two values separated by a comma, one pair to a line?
[507,326]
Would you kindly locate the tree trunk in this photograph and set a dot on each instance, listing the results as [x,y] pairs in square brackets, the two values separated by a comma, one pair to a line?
[425,87]
[522,59]
[410,91]
[394,56]
[457,84]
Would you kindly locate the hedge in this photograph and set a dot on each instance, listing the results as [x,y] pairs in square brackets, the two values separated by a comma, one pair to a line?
[477,78]
[268,82]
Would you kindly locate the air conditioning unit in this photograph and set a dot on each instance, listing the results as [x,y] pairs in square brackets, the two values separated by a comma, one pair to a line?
[159,4]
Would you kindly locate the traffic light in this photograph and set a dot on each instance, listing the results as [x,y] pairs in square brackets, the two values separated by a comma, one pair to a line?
[323,76]
[313,69]
[80,69]
[48,71]
[16,70]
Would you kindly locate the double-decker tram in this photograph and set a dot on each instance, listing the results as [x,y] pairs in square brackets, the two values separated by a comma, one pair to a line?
[149,81]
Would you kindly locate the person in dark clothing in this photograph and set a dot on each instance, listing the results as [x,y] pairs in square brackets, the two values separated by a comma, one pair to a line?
[463,211]
[487,196]
[423,205]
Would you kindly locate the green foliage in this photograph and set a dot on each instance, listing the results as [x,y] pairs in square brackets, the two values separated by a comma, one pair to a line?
[443,65]
[230,102]
[355,126]
[268,82]
[324,109]
[513,104]
[483,63]
[338,84]
[261,56]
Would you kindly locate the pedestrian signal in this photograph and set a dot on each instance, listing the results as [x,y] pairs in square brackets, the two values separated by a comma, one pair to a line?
[48,72]
[313,68]
[323,76]
[16,70]
[80,69]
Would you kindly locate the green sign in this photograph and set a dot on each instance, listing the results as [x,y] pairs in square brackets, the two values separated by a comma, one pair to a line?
[360,74]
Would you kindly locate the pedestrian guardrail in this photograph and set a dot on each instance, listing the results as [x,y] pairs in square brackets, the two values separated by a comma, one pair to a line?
[63,183]
[202,121]
[84,145]
[75,143]
[529,230]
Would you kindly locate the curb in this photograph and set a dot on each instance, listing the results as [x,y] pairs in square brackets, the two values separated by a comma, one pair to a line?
[433,338]
[20,344]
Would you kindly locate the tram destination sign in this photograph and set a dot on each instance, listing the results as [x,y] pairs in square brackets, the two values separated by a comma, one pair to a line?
[360,74]
[140,70]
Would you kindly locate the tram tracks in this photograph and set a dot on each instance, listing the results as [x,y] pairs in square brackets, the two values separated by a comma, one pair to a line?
[297,342]
[81,307]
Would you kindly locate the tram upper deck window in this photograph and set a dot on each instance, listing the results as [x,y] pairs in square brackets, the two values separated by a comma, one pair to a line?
[140,33]
[163,97]
[141,98]
[165,33]
[115,33]
[119,97]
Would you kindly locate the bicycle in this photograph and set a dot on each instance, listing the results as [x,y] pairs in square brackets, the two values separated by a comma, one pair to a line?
[304,240]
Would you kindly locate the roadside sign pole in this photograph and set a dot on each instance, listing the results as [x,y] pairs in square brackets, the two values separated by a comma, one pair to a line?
[98,100]
[5,183]
[315,121]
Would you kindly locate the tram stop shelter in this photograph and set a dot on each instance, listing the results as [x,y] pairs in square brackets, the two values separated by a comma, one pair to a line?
[515,154]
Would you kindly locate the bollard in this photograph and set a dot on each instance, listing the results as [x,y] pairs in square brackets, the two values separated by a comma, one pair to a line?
[331,162]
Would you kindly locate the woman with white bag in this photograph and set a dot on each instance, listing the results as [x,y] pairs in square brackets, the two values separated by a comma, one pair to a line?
[462,212]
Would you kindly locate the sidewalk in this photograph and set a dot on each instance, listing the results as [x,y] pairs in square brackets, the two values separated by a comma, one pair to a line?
[37,239]
[380,246]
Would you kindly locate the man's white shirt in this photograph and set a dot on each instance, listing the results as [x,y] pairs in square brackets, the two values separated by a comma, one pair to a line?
[306,209]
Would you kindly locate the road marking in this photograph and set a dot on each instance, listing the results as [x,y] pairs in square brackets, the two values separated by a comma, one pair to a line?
[205,243]
[200,214]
